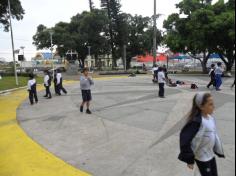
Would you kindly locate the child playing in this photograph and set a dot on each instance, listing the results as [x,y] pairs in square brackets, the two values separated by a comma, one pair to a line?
[212,75]
[218,76]
[47,84]
[32,89]
[199,141]
[85,84]
[161,82]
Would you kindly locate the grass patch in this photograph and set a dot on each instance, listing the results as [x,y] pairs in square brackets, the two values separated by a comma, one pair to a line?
[9,82]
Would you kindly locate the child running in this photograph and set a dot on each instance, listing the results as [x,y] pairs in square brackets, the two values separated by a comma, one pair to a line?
[32,89]
[85,84]
[199,141]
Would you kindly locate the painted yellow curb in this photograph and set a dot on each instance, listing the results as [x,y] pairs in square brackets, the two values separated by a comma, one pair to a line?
[20,155]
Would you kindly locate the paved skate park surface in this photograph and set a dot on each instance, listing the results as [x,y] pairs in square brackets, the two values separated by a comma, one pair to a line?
[131,132]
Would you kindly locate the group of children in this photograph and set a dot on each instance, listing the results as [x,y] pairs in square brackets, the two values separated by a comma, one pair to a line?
[216,73]
[160,76]
[58,85]
[85,84]
[199,140]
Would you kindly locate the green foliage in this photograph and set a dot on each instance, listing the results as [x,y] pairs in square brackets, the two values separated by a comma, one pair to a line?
[93,29]
[16,10]
[203,28]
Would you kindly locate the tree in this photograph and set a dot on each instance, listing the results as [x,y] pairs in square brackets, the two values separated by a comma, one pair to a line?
[16,10]
[139,36]
[224,32]
[204,29]
[84,30]
[115,25]
[91,5]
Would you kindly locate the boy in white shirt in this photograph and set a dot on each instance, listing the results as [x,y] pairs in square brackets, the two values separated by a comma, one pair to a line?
[32,89]
[161,81]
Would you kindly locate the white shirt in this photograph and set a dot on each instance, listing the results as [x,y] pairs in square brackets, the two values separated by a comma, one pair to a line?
[31,83]
[161,77]
[206,148]
[219,71]
[154,69]
[59,76]
[46,79]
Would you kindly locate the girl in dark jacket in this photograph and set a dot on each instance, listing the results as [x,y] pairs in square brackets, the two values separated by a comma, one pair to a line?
[199,141]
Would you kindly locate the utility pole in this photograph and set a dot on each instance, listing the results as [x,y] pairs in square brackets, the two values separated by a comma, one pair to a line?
[12,42]
[155,33]
[125,58]
[53,68]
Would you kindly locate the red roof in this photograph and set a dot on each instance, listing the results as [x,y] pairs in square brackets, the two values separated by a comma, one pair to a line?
[149,58]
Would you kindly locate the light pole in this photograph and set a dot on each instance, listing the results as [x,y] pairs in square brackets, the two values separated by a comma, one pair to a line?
[12,42]
[51,34]
[155,33]
[125,57]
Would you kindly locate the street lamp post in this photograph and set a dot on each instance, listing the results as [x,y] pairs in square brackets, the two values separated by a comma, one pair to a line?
[53,69]
[155,33]
[12,42]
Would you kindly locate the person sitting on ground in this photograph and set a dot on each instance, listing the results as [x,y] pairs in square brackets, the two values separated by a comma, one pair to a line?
[85,84]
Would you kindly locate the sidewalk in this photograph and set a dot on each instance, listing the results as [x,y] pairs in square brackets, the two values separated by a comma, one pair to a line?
[128,118]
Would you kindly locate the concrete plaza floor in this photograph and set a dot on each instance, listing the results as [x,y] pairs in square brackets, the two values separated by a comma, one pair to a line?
[131,131]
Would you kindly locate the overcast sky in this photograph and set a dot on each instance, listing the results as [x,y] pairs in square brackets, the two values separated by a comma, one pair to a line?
[49,12]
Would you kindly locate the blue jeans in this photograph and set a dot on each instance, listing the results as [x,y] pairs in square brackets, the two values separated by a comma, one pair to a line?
[218,81]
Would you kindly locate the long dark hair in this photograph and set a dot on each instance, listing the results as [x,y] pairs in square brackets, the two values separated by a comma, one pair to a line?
[195,110]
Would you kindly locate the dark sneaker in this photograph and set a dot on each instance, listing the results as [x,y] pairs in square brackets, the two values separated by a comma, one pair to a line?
[45,96]
[81,109]
[88,111]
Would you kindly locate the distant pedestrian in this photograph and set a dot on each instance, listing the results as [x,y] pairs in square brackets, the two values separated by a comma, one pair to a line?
[165,70]
[47,84]
[32,89]
[212,76]
[199,141]
[59,83]
[155,73]
[161,82]
[218,76]
[85,84]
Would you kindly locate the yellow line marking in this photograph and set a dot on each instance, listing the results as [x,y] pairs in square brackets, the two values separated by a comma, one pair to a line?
[20,155]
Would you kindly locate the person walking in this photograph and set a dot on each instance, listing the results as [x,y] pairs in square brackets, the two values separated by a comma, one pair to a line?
[199,141]
[212,75]
[47,84]
[218,76]
[59,84]
[32,89]
[85,84]
[161,82]
[155,73]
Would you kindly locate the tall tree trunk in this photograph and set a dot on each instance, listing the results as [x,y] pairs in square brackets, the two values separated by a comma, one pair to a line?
[114,64]
[91,5]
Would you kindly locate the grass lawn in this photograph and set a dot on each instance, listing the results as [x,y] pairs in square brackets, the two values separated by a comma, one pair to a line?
[9,82]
